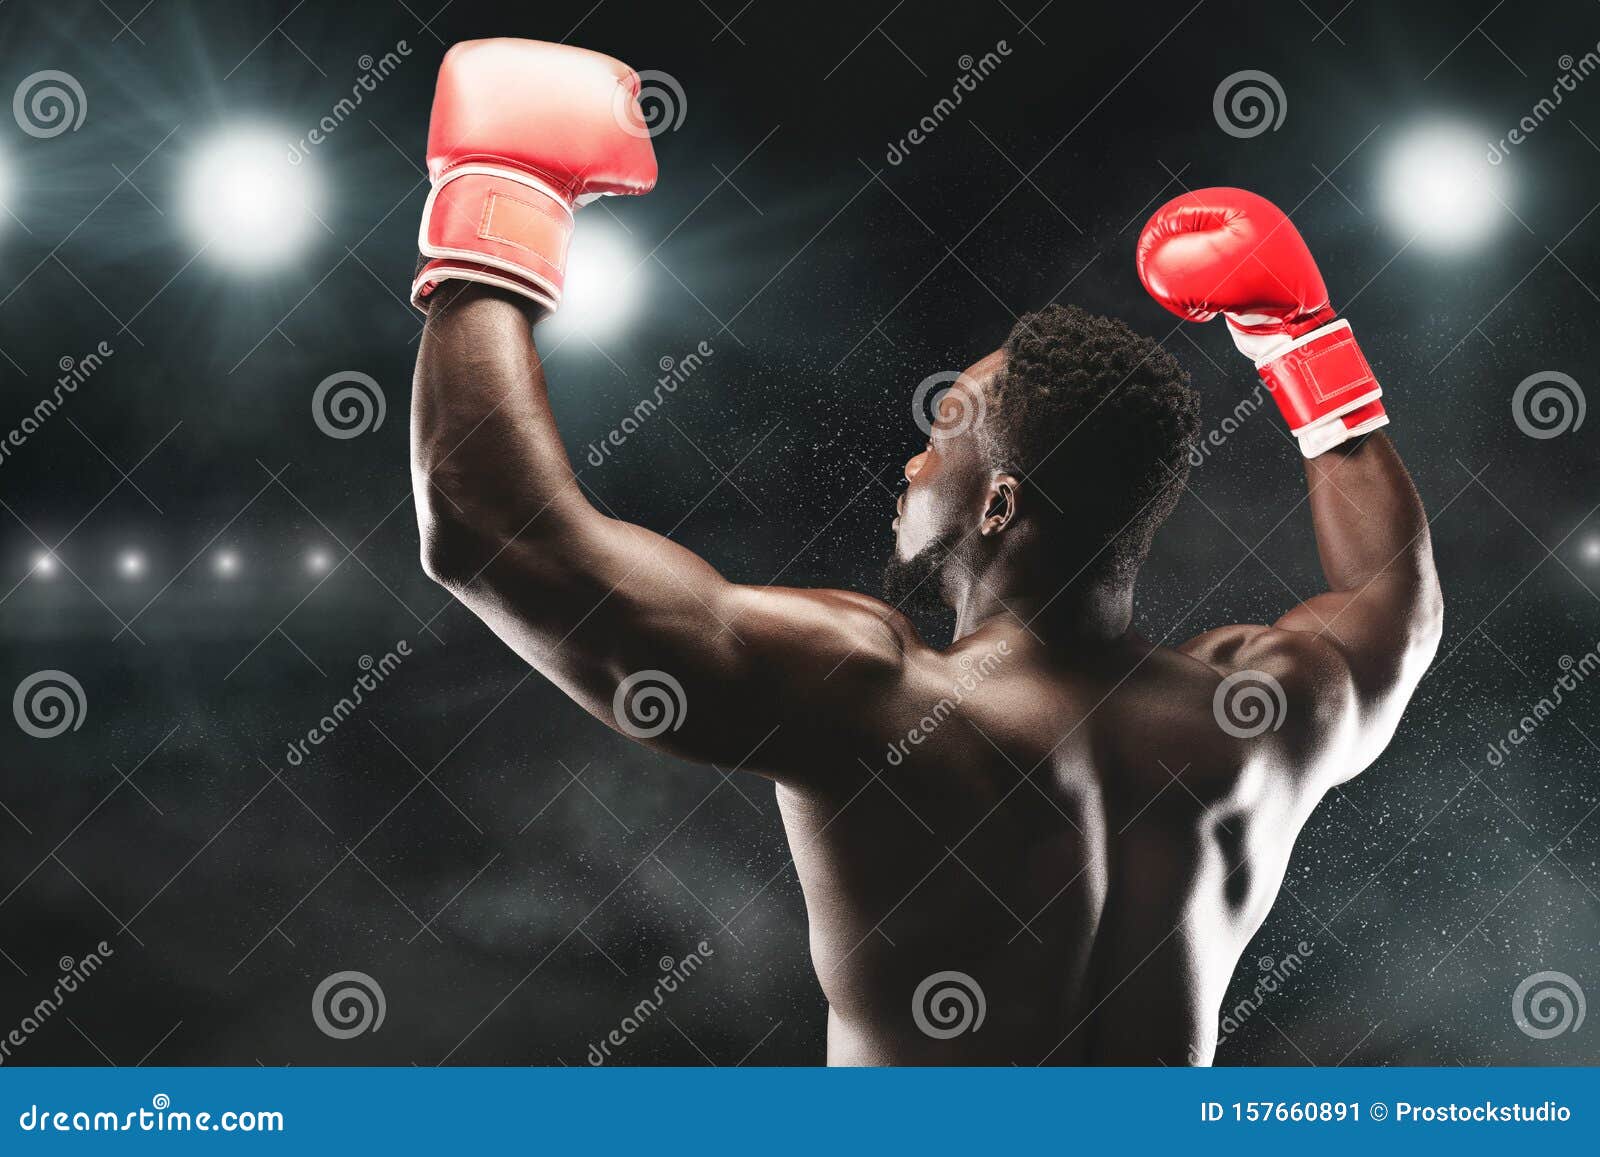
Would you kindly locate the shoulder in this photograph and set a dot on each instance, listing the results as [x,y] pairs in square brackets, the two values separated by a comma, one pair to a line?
[852,632]
[1302,663]
[1287,690]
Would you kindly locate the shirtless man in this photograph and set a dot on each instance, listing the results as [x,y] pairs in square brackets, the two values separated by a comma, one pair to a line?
[1050,841]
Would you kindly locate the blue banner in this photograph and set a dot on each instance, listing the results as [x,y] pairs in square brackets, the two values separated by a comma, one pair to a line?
[764,1111]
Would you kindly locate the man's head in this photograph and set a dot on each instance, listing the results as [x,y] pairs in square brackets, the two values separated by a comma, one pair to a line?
[1057,456]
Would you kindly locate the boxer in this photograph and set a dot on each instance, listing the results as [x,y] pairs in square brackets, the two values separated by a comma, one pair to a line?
[1049,841]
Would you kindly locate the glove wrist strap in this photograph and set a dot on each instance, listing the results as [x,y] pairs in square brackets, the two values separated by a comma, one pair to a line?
[498,225]
[1320,379]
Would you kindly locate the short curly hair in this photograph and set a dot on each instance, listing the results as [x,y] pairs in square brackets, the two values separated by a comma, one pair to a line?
[1100,419]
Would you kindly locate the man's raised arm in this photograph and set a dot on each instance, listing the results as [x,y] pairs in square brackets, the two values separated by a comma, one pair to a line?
[641,632]
[1347,660]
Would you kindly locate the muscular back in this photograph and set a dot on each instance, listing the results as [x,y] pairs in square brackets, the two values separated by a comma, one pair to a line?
[1082,843]
[1068,829]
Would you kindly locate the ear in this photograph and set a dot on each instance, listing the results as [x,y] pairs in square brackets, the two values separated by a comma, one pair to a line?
[1000,505]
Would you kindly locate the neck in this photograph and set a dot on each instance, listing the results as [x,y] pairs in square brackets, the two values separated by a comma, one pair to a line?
[1087,613]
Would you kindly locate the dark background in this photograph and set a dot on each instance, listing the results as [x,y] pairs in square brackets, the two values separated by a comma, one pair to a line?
[439,842]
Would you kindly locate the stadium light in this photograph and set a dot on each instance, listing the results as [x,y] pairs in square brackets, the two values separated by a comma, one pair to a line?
[246,202]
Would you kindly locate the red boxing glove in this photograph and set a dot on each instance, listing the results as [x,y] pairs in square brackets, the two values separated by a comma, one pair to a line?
[524,132]
[1231,252]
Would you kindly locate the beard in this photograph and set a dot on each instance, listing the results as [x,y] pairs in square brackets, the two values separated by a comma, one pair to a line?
[915,586]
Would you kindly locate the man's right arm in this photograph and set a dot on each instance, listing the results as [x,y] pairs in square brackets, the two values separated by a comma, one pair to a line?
[1348,659]
[1342,665]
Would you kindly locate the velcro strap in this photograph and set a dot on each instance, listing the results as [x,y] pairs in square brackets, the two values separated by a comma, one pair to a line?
[506,220]
[533,225]
[1323,376]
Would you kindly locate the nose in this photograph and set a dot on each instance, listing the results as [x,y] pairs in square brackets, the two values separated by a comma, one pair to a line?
[914,465]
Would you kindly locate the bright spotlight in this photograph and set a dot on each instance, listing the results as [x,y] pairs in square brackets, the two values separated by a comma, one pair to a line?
[246,202]
[317,562]
[603,278]
[1591,549]
[131,564]
[1440,188]
[225,563]
[44,565]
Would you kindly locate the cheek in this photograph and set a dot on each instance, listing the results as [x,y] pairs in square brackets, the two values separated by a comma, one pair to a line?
[944,492]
